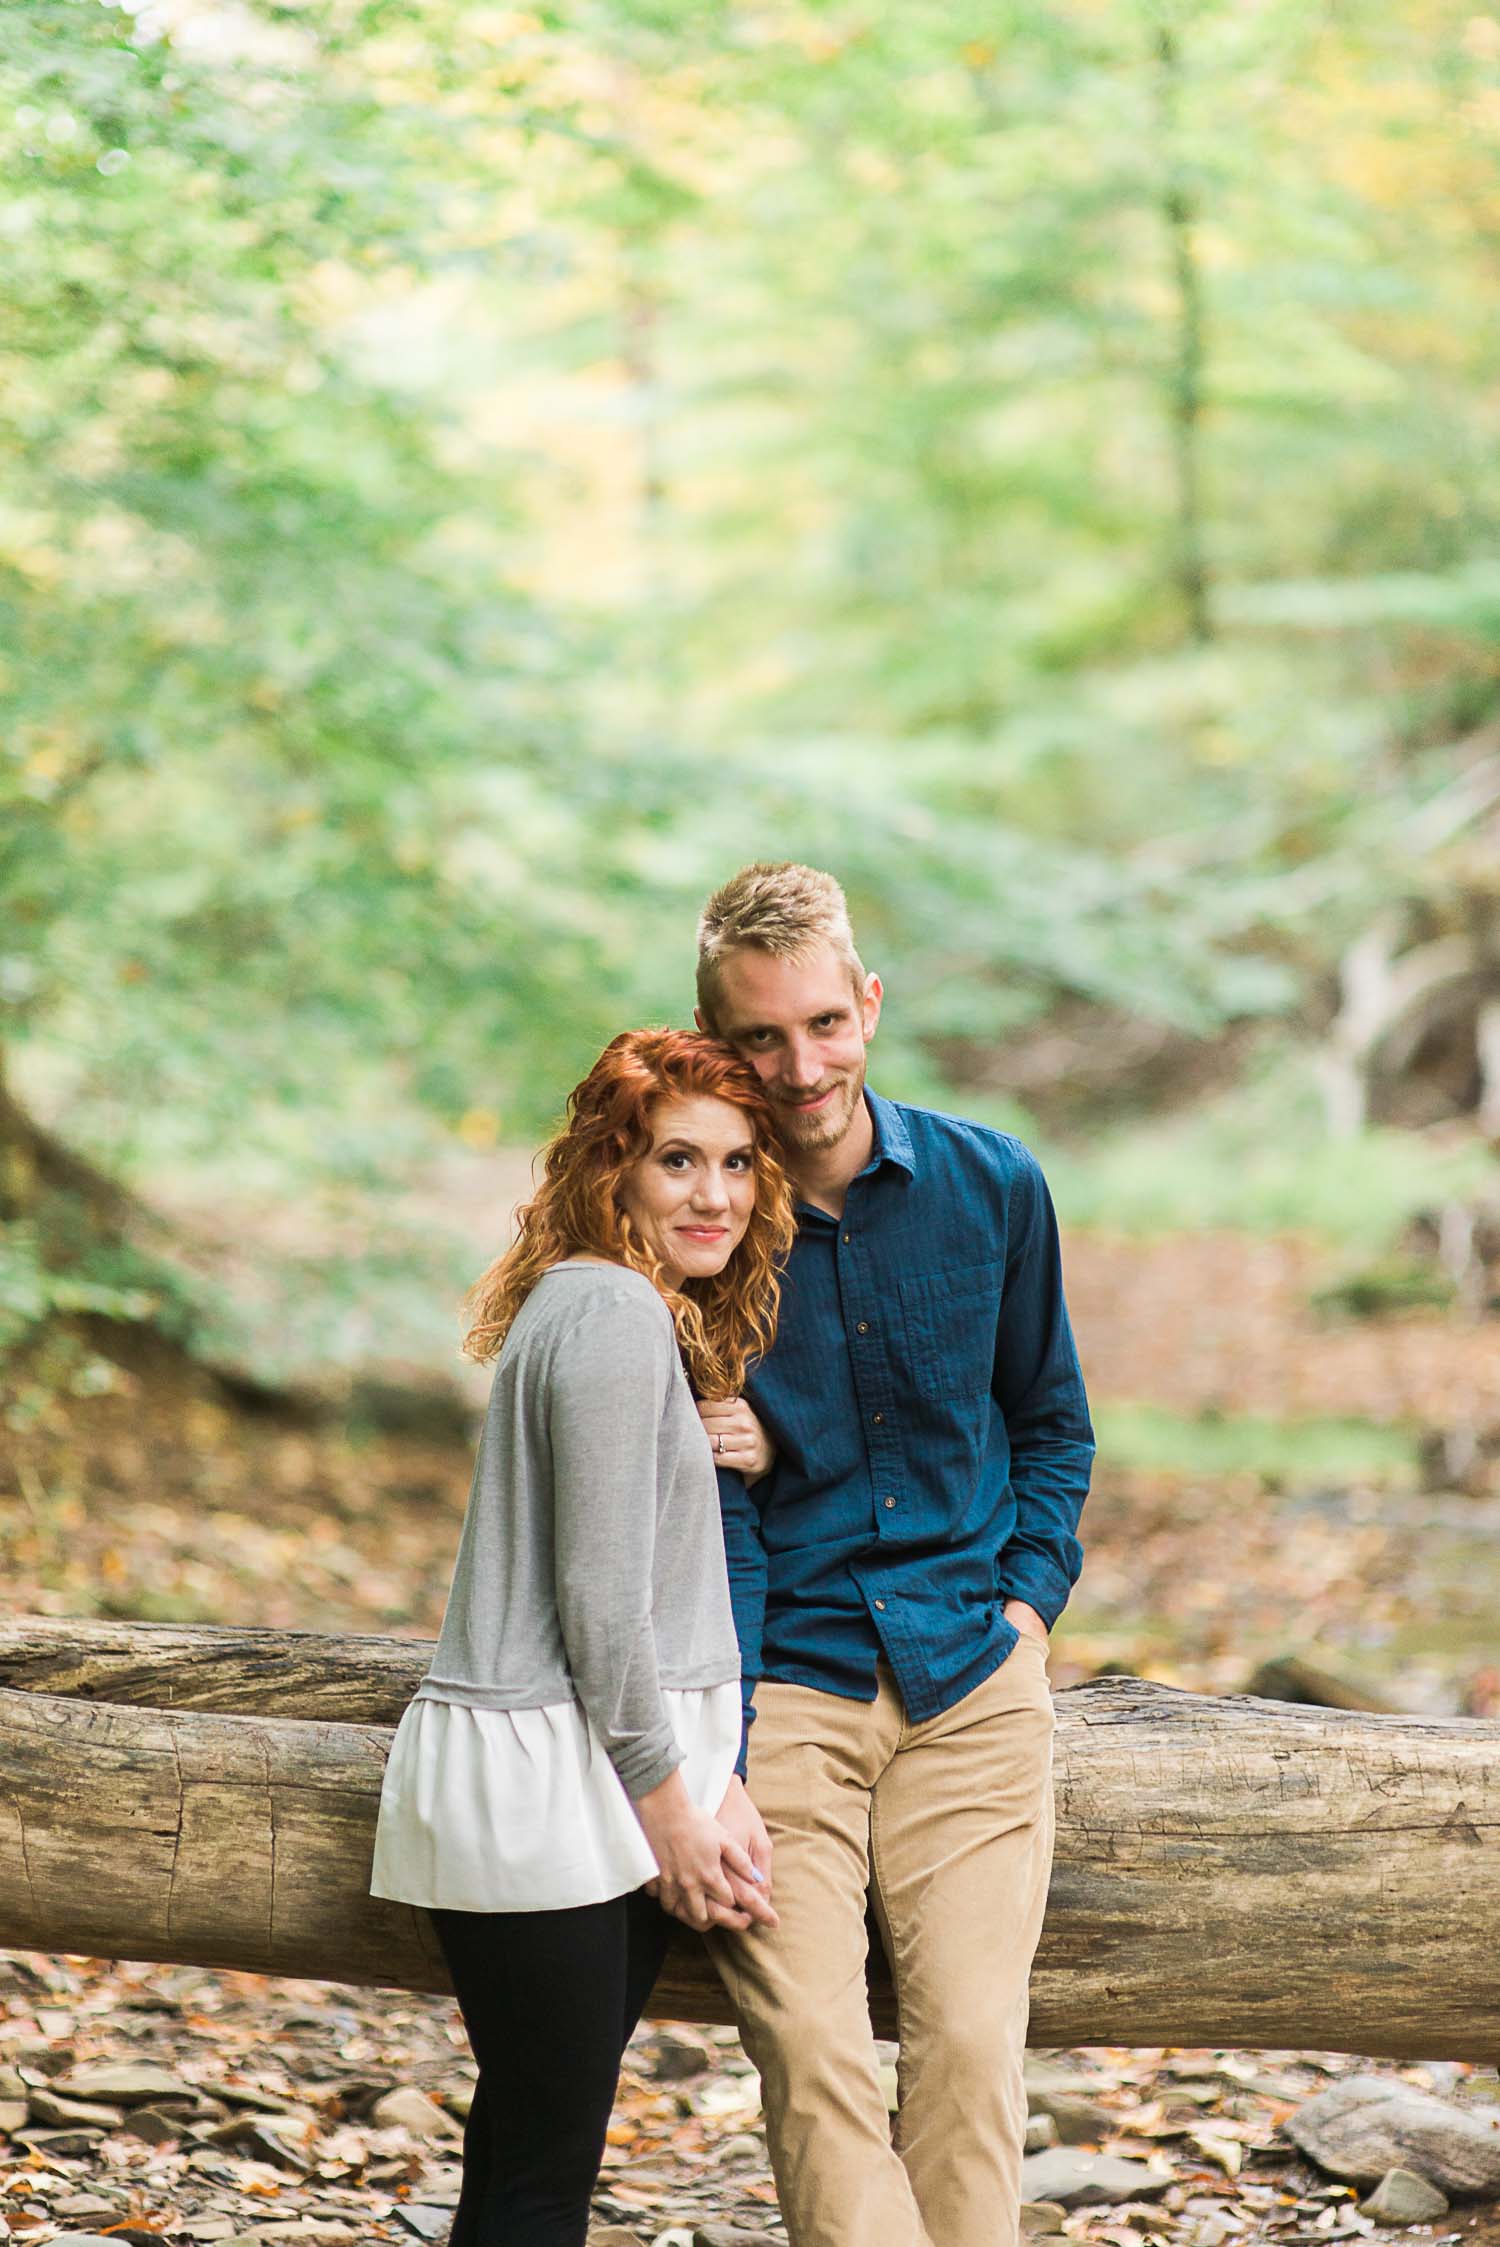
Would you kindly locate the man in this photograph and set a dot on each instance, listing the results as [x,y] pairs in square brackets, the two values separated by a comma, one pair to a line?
[913,1457]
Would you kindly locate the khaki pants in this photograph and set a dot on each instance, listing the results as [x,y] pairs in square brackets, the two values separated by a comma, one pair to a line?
[948,1826]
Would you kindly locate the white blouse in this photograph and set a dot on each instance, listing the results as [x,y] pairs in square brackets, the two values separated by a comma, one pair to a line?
[513,1810]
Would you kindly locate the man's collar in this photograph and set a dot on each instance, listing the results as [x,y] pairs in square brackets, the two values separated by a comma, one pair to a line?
[892,1138]
[892,1145]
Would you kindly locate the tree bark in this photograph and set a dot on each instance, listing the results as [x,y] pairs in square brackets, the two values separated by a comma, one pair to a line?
[1228,1872]
[1389,1001]
[1179,213]
[1487,1042]
[346,1679]
[33,1161]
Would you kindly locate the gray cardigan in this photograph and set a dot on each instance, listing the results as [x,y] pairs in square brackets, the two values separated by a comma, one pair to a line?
[591,1565]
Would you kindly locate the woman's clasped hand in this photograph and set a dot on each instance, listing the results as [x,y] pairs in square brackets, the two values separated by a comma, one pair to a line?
[706,1878]
[737,1438]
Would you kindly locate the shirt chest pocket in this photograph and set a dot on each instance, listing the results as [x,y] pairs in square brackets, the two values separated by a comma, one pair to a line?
[950,1319]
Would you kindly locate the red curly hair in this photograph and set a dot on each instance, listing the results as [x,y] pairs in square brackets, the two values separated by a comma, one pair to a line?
[723,1321]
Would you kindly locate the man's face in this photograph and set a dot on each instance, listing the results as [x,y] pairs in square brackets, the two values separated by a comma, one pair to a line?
[803,1027]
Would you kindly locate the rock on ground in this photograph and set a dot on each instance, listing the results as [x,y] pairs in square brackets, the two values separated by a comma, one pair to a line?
[123,2083]
[1367,2124]
[1075,2179]
[1077,2121]
[1402,2197]
[426,2222]
[46,2106]
[413,2111]
[677,2055]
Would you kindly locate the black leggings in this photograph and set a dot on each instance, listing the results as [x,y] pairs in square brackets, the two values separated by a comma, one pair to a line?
[549,2000]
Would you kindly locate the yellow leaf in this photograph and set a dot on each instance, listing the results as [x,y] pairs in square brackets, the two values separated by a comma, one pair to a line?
[479,1128]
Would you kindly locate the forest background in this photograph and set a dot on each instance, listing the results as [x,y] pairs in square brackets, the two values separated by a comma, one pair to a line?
[475,475]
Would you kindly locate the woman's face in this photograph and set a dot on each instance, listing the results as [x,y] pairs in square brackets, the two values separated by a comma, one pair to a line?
[692,1193]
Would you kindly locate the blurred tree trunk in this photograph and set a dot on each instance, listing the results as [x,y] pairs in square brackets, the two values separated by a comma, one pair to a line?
[1179,214]
[1488,1040]
[17,1166]
[35,1166]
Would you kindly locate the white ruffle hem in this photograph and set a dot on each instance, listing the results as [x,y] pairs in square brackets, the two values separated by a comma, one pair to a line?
[513,1810]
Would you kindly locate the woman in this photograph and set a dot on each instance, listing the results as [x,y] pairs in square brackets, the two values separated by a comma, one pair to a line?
[573,1744]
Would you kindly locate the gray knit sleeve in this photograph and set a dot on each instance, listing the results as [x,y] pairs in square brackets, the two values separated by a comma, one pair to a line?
[609,1380]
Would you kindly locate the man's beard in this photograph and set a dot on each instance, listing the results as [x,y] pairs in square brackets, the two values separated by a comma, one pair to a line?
[814,1134]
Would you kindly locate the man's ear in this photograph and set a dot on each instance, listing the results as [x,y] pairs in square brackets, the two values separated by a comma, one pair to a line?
[869,1010]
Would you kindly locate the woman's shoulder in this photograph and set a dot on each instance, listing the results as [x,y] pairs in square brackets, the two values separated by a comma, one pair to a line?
[580,1296]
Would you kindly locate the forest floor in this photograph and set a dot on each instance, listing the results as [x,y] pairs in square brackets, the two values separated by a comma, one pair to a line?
[169,1500]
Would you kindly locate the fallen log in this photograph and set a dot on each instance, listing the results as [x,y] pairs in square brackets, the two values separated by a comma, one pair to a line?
[1289,1678]
[1228,1872]
[348,1678]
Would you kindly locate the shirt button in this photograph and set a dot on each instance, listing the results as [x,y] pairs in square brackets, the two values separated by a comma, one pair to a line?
[880,1603]
[862,1326]
[848,1237]
[889,1503]
[878,1418]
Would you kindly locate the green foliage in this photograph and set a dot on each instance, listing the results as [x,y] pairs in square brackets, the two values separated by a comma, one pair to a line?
[269,680]
[1391,1287]
[1289,1453]
[52,1282]
[1259,1160]
[31,1292]
[472,477]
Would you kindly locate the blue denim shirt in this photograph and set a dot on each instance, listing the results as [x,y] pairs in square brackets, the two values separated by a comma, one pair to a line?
[932,1435]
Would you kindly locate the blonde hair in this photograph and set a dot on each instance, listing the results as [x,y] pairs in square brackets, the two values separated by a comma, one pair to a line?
[723,1322]
[782,910]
